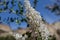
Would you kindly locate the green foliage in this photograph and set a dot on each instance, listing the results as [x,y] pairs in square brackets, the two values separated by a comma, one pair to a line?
[7,38]
[39,37]
[52,37]
[29,36]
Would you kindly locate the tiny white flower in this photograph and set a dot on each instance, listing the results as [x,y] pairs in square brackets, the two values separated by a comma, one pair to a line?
[23,38]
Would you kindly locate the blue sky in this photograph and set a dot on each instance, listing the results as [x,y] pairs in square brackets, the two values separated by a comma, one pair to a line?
[47,14]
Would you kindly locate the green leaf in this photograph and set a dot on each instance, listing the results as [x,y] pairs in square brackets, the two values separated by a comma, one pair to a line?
[11,10]
[21,10]
[0,10]
[17,21]
[17,11]
[21,13]
[4,2]
[19,5]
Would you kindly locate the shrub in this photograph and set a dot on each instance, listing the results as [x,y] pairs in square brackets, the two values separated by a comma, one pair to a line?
[7,38]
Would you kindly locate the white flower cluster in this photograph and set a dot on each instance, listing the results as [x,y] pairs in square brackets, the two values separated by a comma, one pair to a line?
[36,19]
[44,32]
[19,36]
